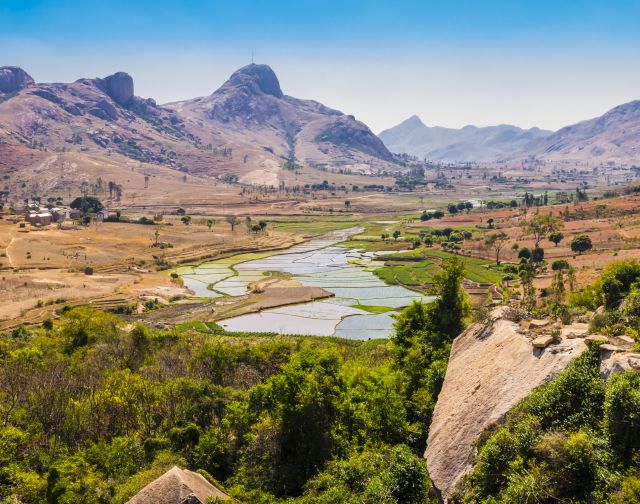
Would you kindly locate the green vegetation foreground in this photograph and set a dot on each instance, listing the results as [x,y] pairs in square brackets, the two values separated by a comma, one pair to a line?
[91,412]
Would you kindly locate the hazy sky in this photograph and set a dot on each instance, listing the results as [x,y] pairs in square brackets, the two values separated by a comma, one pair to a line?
[542,63]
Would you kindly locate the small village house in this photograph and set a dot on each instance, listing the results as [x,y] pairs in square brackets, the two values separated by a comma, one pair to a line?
[40,219]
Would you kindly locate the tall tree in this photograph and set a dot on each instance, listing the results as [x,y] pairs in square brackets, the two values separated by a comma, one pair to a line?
[497,241]
[540,226]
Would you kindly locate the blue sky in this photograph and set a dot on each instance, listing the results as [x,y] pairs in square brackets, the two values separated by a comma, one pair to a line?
[531,63]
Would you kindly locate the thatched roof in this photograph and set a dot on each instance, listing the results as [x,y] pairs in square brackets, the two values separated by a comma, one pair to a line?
[177,486]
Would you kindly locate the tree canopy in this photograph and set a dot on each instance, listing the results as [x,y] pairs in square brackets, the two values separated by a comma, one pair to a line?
[581,243]
[87,204]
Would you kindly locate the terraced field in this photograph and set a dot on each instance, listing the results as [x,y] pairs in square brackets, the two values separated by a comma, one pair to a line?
[360,306]
[416,268]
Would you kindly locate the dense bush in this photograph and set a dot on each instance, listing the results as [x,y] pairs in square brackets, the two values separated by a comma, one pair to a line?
[381,476]
[616,282]
[91,411]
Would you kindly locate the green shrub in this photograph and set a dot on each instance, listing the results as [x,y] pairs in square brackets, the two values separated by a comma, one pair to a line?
[622,414]
[382,475]
[490,471]
[629,492]
[573,399]
[560,264]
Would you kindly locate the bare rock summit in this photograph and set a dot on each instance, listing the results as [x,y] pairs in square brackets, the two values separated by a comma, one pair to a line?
[14,79]
[258,78]
[119,87]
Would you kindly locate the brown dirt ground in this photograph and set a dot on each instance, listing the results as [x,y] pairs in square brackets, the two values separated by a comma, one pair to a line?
[42,269]
[615,233]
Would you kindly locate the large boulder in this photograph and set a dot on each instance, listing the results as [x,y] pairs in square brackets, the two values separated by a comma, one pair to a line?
[13,79]
[119,87]
[492,366]
[618,362]
[178,486]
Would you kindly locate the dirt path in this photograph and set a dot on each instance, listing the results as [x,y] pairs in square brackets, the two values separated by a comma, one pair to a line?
[6,251]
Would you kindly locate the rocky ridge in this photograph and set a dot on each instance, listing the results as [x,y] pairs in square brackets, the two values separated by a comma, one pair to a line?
[470,143]
[613,136]
[250,107]
[248,130]
[98,116]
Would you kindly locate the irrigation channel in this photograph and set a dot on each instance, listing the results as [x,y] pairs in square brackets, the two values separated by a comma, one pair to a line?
[361,308]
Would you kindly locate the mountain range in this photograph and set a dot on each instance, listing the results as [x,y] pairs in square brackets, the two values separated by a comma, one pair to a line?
[470,143]
[248,129]
[614,136]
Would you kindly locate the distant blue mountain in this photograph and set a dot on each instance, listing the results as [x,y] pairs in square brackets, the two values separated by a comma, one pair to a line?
[470,143]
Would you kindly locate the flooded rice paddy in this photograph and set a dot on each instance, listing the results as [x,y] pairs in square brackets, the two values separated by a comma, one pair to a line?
[321,262]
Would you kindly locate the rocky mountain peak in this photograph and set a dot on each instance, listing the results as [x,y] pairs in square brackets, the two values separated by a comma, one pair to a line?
[259,78]
[13,79]
[119,87]
[414,122]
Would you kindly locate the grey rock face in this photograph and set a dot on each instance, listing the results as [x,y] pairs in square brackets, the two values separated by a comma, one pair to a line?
[119,87]
[104,110]
[14,79]
[492,366]
[259,78]
[345,130]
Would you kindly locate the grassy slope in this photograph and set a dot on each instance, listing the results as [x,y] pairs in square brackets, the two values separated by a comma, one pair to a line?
[400,268]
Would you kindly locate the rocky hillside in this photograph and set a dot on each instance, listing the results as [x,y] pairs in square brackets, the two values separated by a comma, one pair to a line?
[614,136]
[470,143]
[492,366]
[250,108]
[248,130]
[99,116]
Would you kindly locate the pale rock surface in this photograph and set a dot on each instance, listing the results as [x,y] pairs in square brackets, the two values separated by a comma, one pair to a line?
[492,366]
[597,337]
[611,348]
[575,330]
[539,323]
[624,340]
[617,362]
[543,341]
